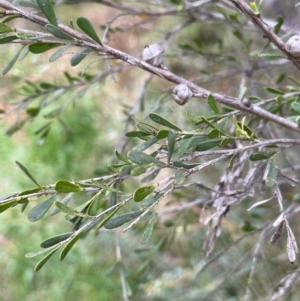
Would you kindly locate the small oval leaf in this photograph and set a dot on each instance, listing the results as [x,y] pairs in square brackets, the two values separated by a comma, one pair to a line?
[47,9]
[261,156]
[11,64]
[69,246]
[86,26]
[142,192]
[212,103]
[38,211]
[63,186]
[149,229]
[120,220]
[78,57]
[161,120]
[57,32]
[55,240]
[141,158]
[41,47]
[41,263]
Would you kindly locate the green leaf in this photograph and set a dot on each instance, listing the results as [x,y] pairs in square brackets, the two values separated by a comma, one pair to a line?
[278,24]
[70,211]
[185,144]
[141,158]
[109,216]
[7,39]
[206,145]
[47,9]
[41,263]
[78,57]
[17,126]
[63,186]
[142,192]
[57,32]
[38,211]
[6,205]
[275,91]
[179,177]
[120,220]
[145,145]
[296,107]
[137,134]
[261,156]
[151,176]
[69,246]
[30,191]
[161,120]
[171,144]
[25,3]
[4,28]
[121,157]
[162,134]
[41,47]
[149,229]
[271,178]
[10,65]
[55,240]
[33,111]
[214,133]
[27,173]
[86,26]
[212,103]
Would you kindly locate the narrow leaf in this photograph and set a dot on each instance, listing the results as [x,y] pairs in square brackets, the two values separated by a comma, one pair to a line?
[271,177]
[68,210]
[78,57]
[120,220]
[142,192]
[41,263]
[38,211]
[212,103]
[57,32]
[28,174]
[86,26]
[206,145]
[5,206]
[55,240]
[141,158]
[276,236]
[141,147]
[161,120]
[25,3]
[261,156]
[69,246]
[47,9]
[151,176]
[121,157]
[275,91]
[41,47]
[171,144]
[149,229]
[5,28]
[64,201]
[260,203]
[7,39]
[11,64]
[63,186]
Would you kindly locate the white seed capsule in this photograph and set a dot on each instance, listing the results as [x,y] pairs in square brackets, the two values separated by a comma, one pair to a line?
[182,94]
[293,46]
[153,55]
